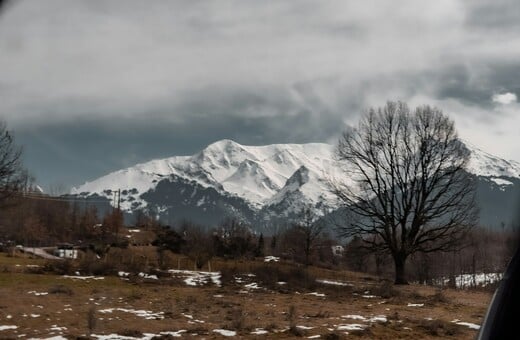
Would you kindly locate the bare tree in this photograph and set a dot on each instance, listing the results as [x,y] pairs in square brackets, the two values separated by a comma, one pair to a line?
[311,229]
[407,189]
[13,176]
[198,244]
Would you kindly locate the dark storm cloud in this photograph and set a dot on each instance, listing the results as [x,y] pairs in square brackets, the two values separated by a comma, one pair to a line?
[500,16]
[85,149]
[140,80]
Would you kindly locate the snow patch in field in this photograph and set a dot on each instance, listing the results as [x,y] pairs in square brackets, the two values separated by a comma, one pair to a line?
[252,285]
[3,328]
[304,327]
[415,305]
[334,283]
[467,324]
[259,331]
[351,327]
[123,274]
[148,276]
[176,334]
[197,278]
[271,259]
[316,294]
[469,280]
[225,332]
[378,318]
[375,318]
[354,317]
[37,293]
[83,277]
[57,328]
[148,315]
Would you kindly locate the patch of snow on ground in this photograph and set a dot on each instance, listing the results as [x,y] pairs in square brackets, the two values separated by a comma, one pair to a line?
[252,285]
[304,327]
[148,315]
[83,277]
[368,296]
[351,327]
[147,276]
[197,278]
[354,317]
[467,324]
[271,259]
[314,336]
[225,332]
[37,293]
[316,294]
[3,328]
[259,331]
[123,274]
[378,318]
[177,334]
[335,283]
[470,280]
[415,304]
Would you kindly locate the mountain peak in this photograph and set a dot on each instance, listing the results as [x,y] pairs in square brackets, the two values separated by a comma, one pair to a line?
[483,163]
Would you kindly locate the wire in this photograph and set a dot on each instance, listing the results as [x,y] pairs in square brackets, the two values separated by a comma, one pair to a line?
[48,198]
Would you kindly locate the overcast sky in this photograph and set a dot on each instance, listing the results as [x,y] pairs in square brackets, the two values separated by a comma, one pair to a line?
[93,86]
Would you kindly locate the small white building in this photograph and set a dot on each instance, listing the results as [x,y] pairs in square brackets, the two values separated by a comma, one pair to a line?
[66,251]
[338,250]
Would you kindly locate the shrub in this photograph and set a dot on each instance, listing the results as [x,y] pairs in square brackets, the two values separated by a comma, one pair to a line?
[438,297]
[332,336]
[92,266]
[134,333]
[296,278]
[60,289]
[237,319]
[439,327]
[60,267]
[386,290]
[227,275]
[134,295]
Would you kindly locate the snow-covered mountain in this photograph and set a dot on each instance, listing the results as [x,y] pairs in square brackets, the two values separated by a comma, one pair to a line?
[256,183]
[287,175]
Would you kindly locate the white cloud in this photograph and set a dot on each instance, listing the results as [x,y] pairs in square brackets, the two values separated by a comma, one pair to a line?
[504,98]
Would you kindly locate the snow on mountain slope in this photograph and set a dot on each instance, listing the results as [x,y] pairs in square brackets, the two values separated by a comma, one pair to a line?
[485,164]
[281,176]
[255,173]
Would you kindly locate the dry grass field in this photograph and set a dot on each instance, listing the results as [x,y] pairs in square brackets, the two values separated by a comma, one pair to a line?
[248,300]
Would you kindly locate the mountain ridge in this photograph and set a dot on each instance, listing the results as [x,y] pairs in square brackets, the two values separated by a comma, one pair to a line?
[273,181]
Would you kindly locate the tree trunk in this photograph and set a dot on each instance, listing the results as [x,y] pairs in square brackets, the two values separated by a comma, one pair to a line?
[400,274]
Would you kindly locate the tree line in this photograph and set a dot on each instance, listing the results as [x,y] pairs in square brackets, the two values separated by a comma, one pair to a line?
[403,182]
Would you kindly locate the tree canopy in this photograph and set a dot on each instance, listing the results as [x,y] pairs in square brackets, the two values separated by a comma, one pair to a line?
[407,189]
